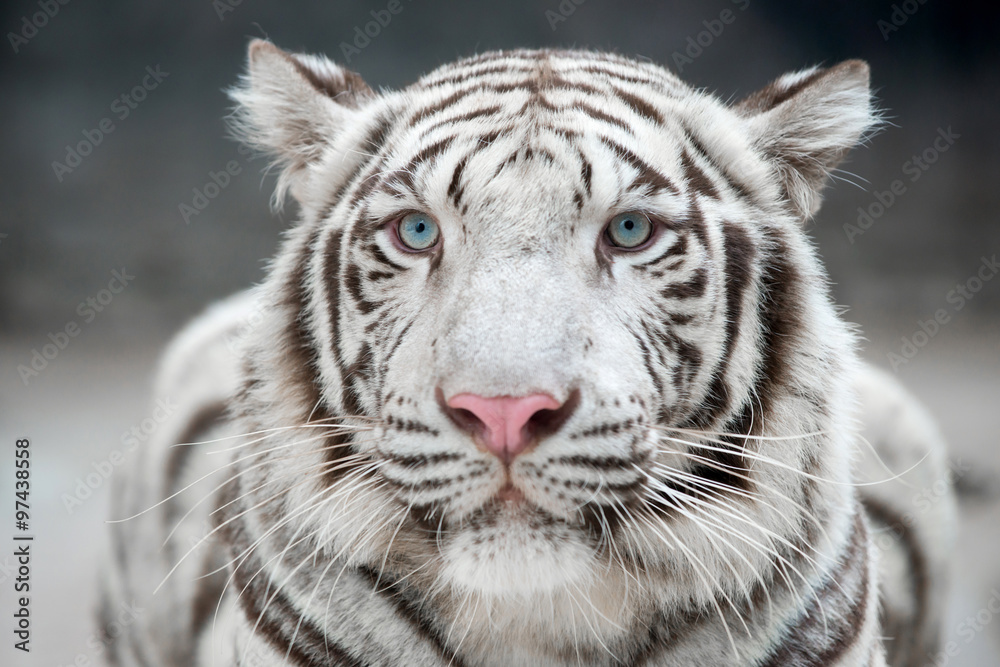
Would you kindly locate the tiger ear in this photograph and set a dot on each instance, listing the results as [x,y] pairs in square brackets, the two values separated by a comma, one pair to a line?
[806,122]
[291,106]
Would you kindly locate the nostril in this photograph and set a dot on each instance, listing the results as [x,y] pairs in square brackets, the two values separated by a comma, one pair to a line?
[466,420]
[548,421]
[506,425]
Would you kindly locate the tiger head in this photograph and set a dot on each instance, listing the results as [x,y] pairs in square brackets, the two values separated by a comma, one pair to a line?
[550,318]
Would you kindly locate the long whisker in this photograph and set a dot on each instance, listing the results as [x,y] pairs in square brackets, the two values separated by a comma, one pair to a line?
[782,464]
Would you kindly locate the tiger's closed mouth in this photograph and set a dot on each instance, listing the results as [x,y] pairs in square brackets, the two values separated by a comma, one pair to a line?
[510,495]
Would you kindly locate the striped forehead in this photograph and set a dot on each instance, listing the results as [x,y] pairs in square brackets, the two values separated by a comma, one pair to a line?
[532,112]
[547,90]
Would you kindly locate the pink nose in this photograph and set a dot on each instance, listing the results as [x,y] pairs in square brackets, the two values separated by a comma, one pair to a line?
[502,423]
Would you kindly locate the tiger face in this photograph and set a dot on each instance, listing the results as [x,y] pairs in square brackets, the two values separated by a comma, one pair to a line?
[567,303]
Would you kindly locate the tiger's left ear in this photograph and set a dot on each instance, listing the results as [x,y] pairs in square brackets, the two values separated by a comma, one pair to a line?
[292,106]
[806,122]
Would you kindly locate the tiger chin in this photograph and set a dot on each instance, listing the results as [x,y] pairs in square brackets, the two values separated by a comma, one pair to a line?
[547,372]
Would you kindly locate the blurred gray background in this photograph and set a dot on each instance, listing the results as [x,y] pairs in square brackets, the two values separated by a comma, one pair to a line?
[63,230]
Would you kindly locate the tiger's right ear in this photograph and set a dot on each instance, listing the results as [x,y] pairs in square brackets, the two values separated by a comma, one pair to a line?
[806,122]
[291,106]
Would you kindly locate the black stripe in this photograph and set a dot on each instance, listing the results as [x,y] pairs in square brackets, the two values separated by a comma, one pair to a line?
[699,148]
[375,140]
[409,606]
[586,172]
[364,185]
[829,626]
[740,253]
[619,76]
[440,105]
[359,370]
[395,345]
[381,258]
[640,106]
[780,312]
[696,178]
[463,117]
[278,619]
[602,116]
[204,419]
[376,276]
[690,357]
[907,640]
[528,86]
[647,360]
[455,189]
[648,175]
[675,250]
[353,283]
[774,94]
[597,462]
[332,280]
[430,152]
[348,183]
[469,74]
[211,585]
[335,445]
[692,289]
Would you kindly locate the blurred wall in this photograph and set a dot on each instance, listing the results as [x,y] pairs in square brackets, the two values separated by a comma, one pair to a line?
[65,228]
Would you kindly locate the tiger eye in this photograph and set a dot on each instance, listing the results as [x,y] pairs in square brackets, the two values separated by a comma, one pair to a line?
[630,229]
[418,231]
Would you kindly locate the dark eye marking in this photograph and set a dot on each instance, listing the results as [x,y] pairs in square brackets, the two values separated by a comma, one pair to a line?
[676,249]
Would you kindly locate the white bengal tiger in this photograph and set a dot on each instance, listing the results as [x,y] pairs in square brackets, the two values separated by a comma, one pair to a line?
[547,373]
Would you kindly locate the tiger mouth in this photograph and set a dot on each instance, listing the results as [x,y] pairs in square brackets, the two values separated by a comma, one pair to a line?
[510,495]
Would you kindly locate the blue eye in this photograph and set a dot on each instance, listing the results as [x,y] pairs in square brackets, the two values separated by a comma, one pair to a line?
[630,230]
[418,231]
